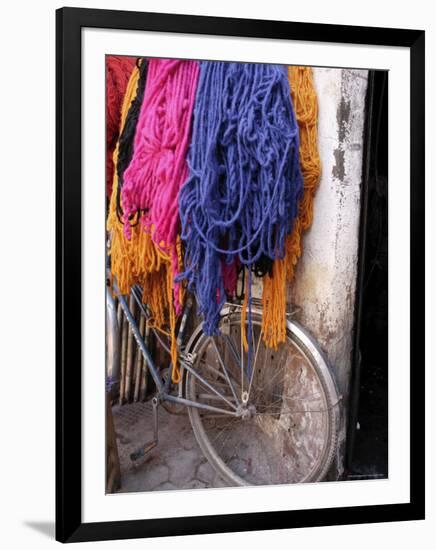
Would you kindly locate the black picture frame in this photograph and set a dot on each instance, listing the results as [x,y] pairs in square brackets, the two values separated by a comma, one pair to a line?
[69,525]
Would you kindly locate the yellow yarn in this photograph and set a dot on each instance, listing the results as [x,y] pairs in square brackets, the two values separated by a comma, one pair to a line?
[139,260]
[274,288]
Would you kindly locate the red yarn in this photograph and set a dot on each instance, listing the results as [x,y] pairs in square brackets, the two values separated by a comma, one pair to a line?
[118,71]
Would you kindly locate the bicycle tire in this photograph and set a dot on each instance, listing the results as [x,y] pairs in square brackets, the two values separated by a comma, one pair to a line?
[320,372]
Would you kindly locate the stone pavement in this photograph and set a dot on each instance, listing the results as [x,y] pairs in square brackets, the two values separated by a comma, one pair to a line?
[176,463]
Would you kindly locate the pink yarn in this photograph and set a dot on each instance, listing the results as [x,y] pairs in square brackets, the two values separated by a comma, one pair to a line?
[158,167]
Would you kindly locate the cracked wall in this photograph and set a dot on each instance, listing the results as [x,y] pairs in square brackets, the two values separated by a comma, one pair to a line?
[325,280]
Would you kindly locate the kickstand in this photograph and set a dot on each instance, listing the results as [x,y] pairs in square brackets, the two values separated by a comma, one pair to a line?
[139,453]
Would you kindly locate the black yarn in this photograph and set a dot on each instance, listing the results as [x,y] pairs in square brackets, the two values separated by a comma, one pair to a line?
[127,136]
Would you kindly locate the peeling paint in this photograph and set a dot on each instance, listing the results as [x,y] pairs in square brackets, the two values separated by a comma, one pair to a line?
[339,169]
[325,281]
[343,117]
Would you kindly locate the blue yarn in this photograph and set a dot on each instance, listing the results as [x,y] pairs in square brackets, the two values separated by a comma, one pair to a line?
[241,196]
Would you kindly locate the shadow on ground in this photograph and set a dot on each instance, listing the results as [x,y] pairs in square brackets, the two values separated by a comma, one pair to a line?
[176,463]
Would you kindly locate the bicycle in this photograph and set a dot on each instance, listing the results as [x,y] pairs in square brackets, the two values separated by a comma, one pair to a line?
[276,422]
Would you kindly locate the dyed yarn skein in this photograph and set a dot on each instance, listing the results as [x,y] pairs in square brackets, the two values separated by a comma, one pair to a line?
[241,197]
[158,167]
[274,285]
[118,71]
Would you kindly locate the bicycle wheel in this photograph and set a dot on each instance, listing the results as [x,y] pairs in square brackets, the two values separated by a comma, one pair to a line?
[278,421]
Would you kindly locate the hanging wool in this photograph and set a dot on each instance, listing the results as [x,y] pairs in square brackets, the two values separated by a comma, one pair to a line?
[122,251]
[158,167]
[118,71]
[137,260]
[306,108]
[151,184]
[274,285]
[241,197]
[121,263]
[127,134]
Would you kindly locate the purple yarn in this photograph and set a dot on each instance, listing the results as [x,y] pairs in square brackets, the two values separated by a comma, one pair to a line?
[241,197]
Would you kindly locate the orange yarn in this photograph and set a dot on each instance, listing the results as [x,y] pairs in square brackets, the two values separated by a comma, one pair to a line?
[274,288]
[274,305]
[138,260]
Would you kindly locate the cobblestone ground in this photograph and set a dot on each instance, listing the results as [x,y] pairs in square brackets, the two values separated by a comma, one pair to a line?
[176,463]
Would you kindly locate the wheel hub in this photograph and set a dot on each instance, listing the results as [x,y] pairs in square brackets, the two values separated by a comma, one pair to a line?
[246,411]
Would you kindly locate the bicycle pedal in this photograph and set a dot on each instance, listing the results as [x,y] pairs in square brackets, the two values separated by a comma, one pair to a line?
[140,453]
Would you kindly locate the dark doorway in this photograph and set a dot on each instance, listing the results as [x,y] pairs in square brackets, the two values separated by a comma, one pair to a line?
[367,448]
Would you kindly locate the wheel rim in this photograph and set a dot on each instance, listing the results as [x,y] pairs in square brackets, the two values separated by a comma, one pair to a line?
[285,431]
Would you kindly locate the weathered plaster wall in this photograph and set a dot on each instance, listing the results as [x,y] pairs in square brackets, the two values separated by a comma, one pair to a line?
[325,280]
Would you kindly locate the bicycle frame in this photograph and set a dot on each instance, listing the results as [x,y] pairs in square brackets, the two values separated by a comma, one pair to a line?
[237,405]
[163,387]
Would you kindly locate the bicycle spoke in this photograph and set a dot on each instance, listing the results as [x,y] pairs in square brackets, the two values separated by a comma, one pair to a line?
[302,398]
[217,393]
[242,363]
[210,396]
[208,386]
[233,421]
[309,411]
[214,371]
[224,442]
[254,364]
[225,371]
[233,350]
[217,372]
